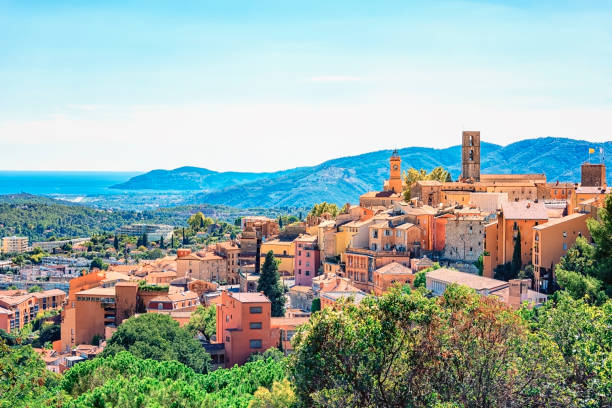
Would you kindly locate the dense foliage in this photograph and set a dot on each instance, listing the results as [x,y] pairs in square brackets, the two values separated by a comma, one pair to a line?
[157,336]
[413,175]
[203,320]
[405,349]
[586,270]
[324,207]
[124,380]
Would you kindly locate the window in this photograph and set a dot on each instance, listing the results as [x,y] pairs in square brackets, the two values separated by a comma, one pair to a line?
[564,234]
[398,233]
[227,339]
[308,254]
[284,252]
[307,264]
[299,271]
[565,246]
[255,343]
[255,325]
[255,309]
[387,233]
[307,273]
[160,306]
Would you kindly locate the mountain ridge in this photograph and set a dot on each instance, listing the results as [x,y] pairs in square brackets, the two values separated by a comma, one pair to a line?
[343,179]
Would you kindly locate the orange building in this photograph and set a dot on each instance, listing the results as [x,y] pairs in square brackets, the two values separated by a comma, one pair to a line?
[551,241]
[389,275]
[203,265]
[499,236]
[264,227]
[230,251]
[361,264]
[173,302]
[17,311]
[245,326]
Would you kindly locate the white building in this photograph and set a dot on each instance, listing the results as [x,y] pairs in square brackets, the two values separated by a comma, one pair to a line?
[14,244]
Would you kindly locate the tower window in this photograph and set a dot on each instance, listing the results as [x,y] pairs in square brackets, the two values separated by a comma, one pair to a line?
[471,155]
[471,140]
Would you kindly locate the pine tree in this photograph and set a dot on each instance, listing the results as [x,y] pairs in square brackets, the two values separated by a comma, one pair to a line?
[269,284]
[516,256]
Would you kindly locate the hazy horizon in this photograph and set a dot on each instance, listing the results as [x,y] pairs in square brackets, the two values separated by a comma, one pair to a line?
[266,86]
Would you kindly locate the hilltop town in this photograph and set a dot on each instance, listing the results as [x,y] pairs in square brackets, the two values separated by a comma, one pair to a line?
[258,281]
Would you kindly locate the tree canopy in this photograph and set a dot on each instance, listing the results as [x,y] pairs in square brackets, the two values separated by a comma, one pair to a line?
[203,320]
[157,336]
[461,349]
[324,207]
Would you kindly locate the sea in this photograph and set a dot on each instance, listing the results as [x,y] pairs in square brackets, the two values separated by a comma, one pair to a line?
[62,183]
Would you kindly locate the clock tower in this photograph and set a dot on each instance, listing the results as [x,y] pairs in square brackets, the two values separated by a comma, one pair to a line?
[395,174]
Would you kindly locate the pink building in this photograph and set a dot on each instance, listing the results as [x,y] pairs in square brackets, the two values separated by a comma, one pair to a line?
[307,259]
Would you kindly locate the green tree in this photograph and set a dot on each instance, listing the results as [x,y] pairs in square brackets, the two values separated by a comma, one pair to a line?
[405,349]
[601,232]
[116,242]
[316,305]
[97,263]
[516,256]
[580,286]
[269,283]
[198,222]
[582,334]
[203,320]
[280,396]
[157,336]
[161,242]
[35,288]
[25,381]
[324,207]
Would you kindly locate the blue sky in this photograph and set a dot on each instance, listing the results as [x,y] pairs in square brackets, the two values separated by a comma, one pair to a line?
[266,85]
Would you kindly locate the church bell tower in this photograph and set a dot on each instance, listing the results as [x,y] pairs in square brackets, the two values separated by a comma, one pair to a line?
[395,173]
[470,156]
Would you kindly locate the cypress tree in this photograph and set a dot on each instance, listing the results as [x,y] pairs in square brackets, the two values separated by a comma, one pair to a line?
[269,284]
[161,242]
[116,243]
[145,240]
[516,256]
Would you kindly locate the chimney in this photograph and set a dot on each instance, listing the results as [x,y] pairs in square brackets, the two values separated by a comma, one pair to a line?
[518,291]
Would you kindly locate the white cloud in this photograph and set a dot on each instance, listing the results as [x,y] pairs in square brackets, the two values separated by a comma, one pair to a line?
[263,137]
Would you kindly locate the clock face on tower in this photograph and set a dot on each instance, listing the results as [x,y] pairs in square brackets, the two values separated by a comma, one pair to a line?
[395,167]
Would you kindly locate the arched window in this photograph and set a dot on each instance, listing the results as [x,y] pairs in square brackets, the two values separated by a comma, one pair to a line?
[471,155]
[471,140]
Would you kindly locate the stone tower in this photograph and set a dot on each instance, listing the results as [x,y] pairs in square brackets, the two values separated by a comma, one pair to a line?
[395,173]
[593,175]
[470,156]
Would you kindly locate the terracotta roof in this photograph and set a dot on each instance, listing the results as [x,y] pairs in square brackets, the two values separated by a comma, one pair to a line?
[249,297]
[524,210]
[100,291]
[429,183]
[532,295]
[162,274]
[467,279]
[5,311]
[50,292]
[405,226]
[300,289]
[15,300]
[593,190]
[555,221]
[175,297]
[394,268]
[288,321]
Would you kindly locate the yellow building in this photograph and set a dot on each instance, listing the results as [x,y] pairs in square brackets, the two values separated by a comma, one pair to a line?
[456,197]
[14,244]
[283,251]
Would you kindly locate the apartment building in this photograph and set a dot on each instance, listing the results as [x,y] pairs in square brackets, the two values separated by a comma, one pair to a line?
[14,244]
[307,259]
[154,231]
[551,241]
